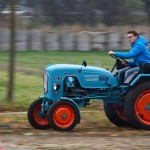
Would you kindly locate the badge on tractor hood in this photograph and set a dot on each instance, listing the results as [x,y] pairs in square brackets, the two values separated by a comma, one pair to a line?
[103,78]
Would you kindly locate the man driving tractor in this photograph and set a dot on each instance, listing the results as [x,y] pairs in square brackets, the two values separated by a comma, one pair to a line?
[139,53]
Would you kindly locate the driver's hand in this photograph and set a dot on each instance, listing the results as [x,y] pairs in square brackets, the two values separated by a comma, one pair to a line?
[111,53]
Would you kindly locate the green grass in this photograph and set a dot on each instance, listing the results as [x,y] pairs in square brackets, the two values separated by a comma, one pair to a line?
[29,68]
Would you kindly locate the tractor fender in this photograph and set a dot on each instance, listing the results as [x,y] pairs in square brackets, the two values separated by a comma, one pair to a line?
[68,99]
[140,78]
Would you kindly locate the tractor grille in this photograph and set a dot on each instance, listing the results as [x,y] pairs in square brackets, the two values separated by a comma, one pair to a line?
[45,82]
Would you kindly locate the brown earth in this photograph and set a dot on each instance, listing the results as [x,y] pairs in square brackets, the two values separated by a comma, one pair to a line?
[94,132]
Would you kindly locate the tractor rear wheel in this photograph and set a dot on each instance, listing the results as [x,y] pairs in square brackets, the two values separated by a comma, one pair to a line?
[137,106]
[36,118]
[63,115]
[115,114]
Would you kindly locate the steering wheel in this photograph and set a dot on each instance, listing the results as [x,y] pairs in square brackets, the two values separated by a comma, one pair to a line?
[119,64]
[118,58]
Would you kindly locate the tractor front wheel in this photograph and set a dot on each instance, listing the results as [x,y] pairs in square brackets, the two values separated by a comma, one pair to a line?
[63,115]
[35,116]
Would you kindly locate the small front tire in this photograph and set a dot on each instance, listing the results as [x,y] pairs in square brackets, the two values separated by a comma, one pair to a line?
[35,117]
[63,115]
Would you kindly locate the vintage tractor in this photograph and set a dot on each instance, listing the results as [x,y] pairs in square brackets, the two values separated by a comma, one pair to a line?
[67,87]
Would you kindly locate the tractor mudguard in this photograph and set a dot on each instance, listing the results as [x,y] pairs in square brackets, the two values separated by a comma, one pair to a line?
[139,78]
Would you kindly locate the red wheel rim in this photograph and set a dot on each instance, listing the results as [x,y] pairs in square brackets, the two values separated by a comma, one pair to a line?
[41,120]
[63,116]
[142,102]
[120,113]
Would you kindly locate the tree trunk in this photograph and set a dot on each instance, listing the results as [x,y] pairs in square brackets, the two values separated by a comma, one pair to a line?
[11,70]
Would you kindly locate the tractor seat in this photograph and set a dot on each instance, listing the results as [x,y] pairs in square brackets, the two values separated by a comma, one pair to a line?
[131,77]
[145,68]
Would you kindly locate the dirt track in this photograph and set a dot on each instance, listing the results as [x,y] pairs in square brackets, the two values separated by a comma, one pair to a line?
[94,132]
[50,142]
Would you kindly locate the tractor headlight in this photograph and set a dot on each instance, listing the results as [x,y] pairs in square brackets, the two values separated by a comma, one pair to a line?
[56,86]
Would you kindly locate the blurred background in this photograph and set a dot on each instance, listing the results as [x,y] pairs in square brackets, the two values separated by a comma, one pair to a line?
[83,12]
[73,24]
[94,14]
[35,33]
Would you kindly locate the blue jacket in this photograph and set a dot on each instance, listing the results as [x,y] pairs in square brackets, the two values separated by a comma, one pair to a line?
[139,52]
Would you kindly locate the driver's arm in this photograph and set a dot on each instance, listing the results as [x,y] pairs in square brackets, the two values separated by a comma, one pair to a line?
[132,63]
[123,62]
[134,52]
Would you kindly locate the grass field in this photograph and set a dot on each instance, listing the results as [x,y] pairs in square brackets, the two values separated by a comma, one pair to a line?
[29,67]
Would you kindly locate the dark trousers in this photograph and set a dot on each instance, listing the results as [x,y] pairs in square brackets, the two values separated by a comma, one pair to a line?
[124,73]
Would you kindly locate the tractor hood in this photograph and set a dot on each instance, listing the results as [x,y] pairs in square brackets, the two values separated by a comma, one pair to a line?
[71,67]
[89,76]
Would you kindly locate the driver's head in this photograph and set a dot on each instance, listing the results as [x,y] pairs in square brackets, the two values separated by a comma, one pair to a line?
[132,36]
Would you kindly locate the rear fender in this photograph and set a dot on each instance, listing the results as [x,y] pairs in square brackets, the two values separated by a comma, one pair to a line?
[140,78]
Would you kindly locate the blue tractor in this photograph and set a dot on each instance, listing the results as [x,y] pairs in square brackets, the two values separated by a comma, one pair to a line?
[68,87]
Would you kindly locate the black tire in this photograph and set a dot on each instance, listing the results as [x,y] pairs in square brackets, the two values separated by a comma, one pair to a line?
[63,115]
[137,106]
[33,114]
[116,115]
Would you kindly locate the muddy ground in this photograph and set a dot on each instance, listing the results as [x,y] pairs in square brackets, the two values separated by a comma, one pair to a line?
[94,132]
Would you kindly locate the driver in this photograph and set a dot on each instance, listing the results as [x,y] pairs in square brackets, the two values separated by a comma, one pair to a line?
[139,53]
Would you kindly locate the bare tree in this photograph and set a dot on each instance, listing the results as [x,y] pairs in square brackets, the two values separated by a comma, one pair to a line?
[12,53]
[147,10]
[3,4]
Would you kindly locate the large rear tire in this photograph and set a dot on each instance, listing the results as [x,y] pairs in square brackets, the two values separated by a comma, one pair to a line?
[35,117]
[137,106]
[115,114]
[63,115]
